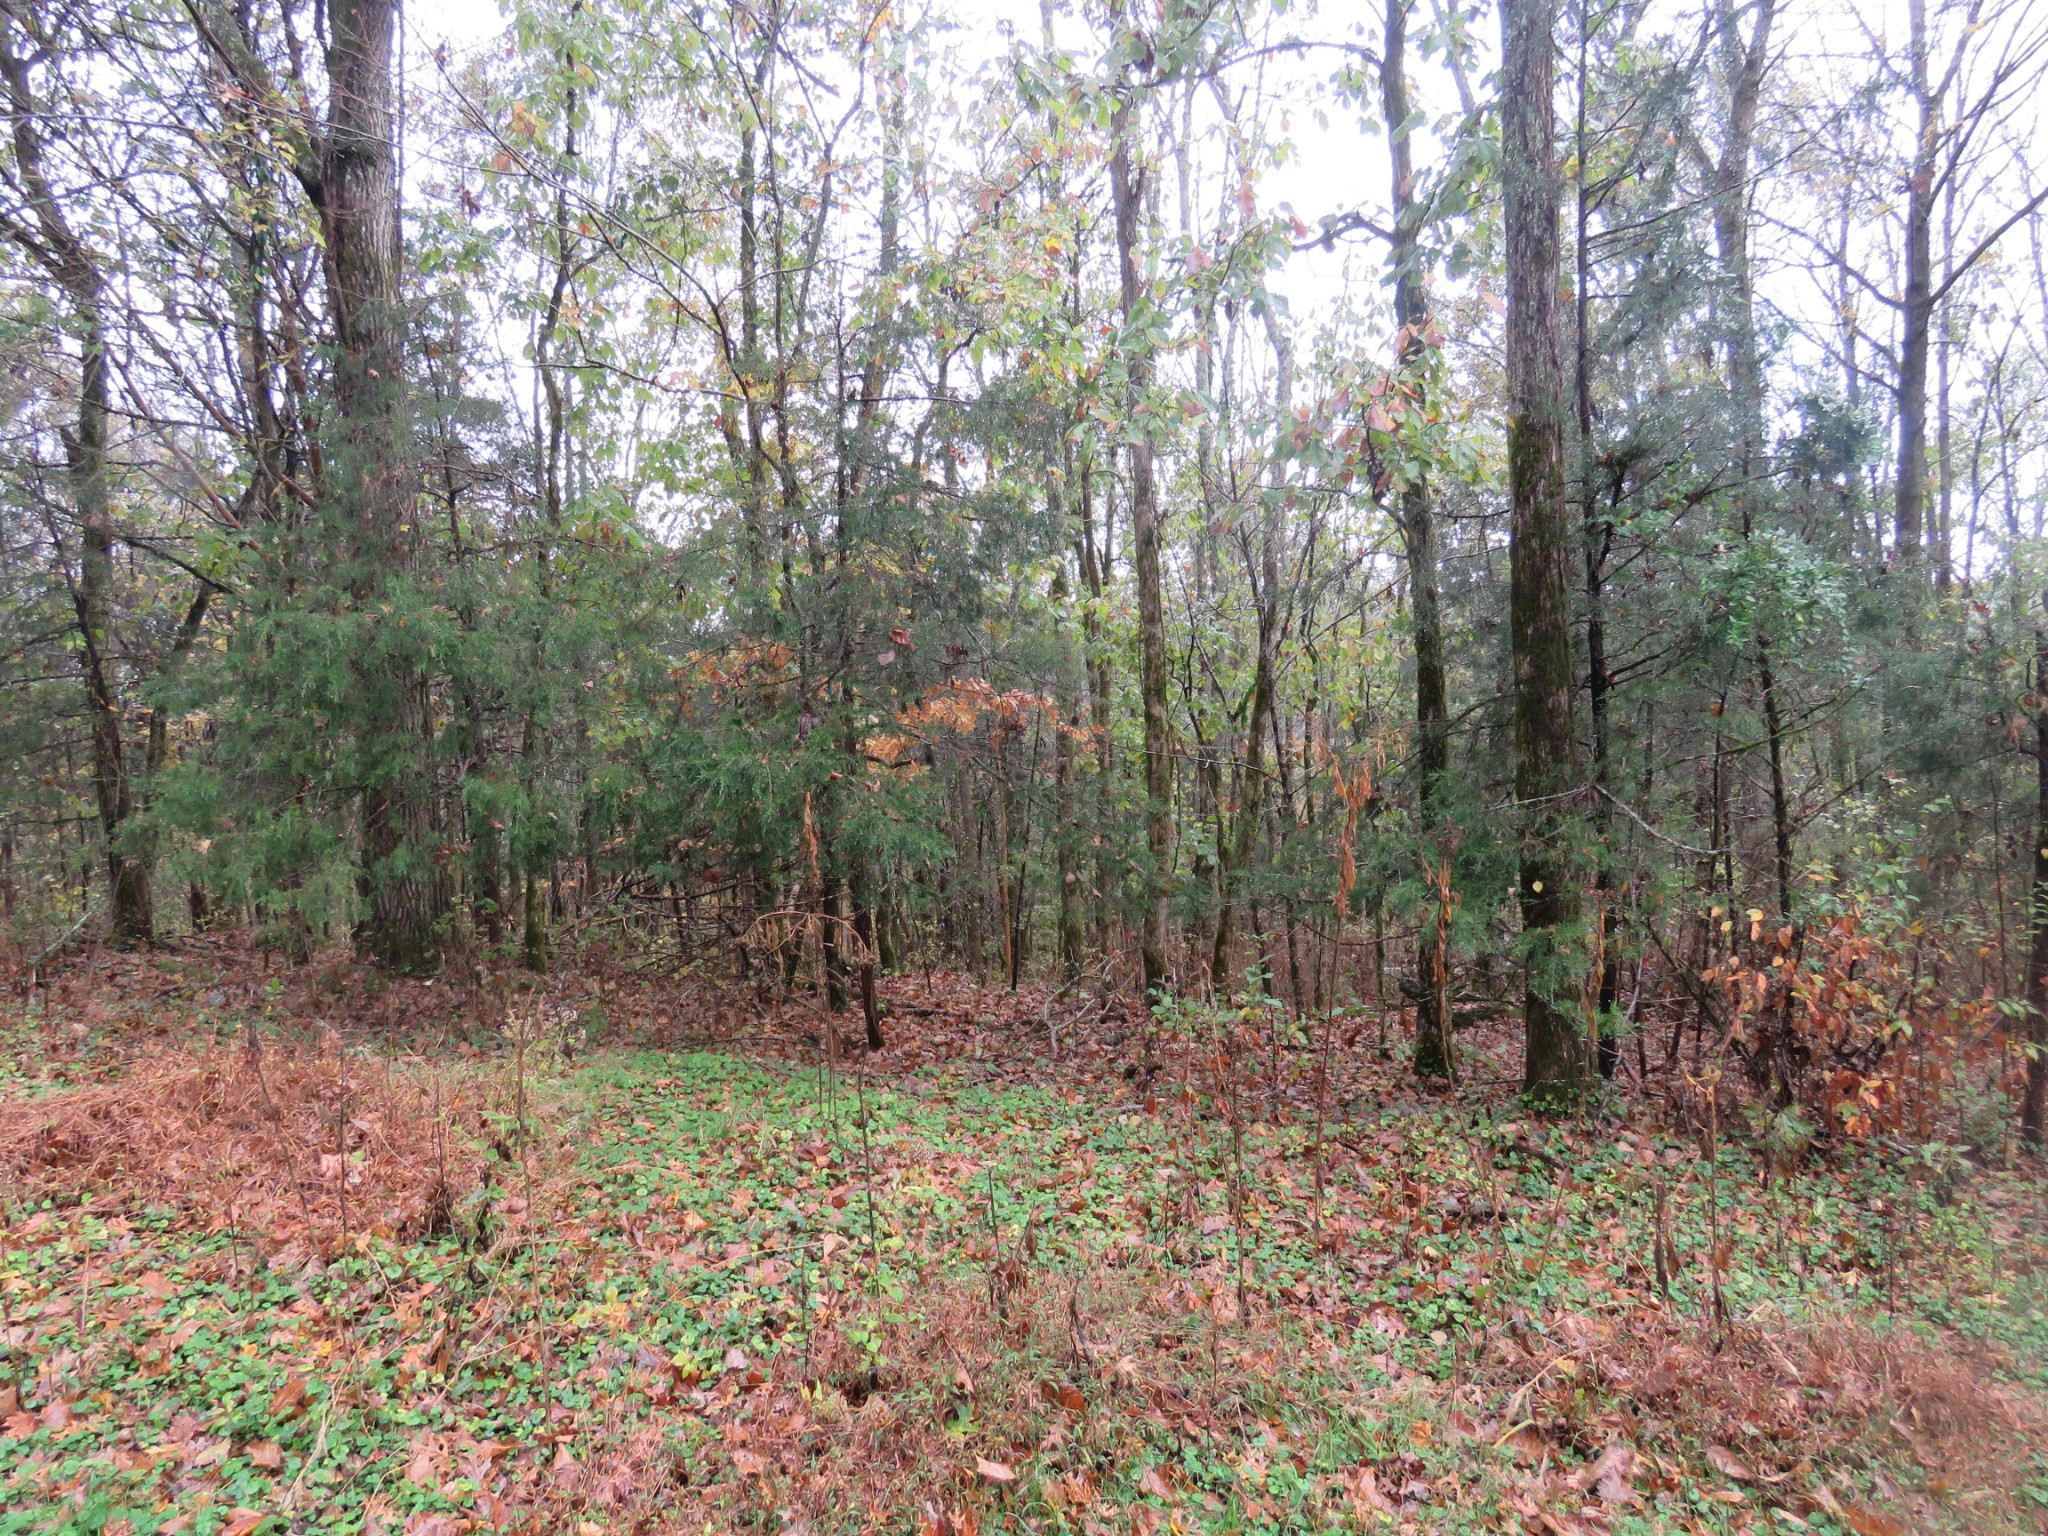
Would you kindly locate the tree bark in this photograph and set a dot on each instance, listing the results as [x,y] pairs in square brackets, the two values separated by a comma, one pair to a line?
[1598,534]
[1126,179]
[1094,561]
[1916,312]
[2034,1101]
[1556,1060]
[1745,63]
[406,886]
[1432,1057]
[1066,726]
[1251,808]
[130,920]
[750,366]
[49,240]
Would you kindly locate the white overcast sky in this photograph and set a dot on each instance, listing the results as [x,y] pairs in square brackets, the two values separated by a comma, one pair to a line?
[1335,169]
[1825,50]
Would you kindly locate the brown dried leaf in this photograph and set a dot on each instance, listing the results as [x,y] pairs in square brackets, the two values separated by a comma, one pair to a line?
[1610,1472]
[1528,1444]
[564,1467]
[1366,1496]
[266,1453]
[288,1399]
[1730,1465]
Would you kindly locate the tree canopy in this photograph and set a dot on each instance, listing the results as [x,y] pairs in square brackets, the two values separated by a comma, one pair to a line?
[1186,501]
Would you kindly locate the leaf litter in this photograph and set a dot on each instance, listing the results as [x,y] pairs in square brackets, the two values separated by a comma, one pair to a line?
[996,1277]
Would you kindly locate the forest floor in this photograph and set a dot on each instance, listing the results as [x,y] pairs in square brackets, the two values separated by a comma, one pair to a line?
[307,1251]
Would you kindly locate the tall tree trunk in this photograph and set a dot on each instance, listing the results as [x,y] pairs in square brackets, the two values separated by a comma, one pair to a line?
[1126,180]
[476,798]
[130,920]
[1944,469]
[406,887]
[1211,794]
[53,245]
[1556,1062]
[2034,1103]
[1432,1056]
[750,365]
[1251,808]
[1744,63]
[1598,533]
[1781,805]
[1066,726]
[1094,561]
[1916,312]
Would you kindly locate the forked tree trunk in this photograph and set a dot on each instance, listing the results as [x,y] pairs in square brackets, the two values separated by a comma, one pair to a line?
[1094,561]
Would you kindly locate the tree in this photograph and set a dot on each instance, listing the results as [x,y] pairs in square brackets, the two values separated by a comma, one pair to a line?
[689,511]
[374,483]
[1556,1061]
[45,233]
[1968,77]
[1127,173]
[2034,1096]
[369,479]
[1418,530]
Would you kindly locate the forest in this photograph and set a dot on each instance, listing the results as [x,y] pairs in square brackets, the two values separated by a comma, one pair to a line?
[1218,765]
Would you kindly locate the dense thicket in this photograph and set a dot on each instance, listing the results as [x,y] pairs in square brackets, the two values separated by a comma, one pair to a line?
[724,483]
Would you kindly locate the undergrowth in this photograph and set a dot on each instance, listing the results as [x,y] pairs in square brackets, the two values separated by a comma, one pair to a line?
[266,1281]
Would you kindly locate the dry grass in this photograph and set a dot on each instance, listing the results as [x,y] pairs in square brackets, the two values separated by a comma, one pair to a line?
[1016,1382]
[926,1414]
[885,1421]
[1780,1414]
[284,1144]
